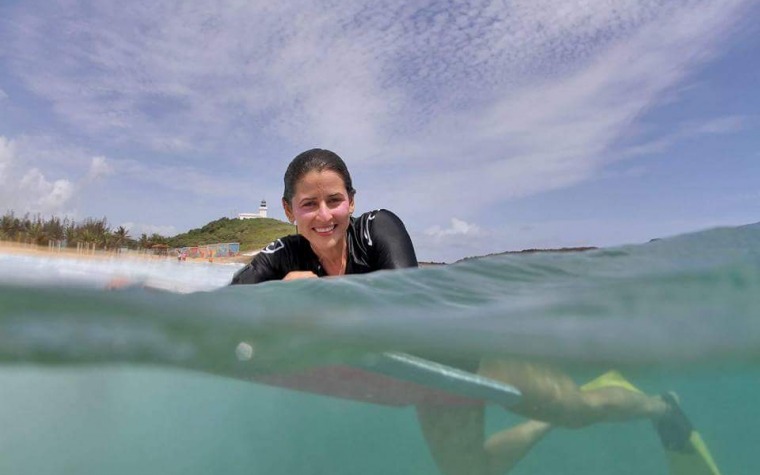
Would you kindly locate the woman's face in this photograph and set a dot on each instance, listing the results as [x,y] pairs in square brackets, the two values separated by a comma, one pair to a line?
[321,209]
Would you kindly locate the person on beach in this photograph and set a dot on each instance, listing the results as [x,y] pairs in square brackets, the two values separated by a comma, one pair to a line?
[319,200]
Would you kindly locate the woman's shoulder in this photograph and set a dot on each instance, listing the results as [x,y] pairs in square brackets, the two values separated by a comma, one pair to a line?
[378,214]
[378,224]
[384,238]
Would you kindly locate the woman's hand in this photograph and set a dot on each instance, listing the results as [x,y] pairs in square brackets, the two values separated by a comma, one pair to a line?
[300,274]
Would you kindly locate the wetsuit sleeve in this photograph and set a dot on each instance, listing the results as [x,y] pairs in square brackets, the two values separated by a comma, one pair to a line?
[259,270]
[266,265]
[392,244]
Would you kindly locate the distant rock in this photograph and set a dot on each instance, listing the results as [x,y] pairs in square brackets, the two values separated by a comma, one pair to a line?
[533,251]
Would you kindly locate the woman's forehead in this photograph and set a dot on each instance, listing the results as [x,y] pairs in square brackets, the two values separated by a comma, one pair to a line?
[320,181]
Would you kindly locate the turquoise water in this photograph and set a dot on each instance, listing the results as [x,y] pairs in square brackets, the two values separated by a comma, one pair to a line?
[146,381]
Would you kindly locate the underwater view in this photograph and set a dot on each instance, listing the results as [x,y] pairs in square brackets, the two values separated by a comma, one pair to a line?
[170,375]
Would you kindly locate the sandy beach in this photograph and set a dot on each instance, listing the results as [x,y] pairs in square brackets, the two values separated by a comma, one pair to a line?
[16,248]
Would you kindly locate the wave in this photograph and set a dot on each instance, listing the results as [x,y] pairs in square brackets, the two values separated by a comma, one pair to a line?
[686,300]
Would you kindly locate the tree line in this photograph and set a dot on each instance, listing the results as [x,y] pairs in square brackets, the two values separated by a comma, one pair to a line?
[67,232]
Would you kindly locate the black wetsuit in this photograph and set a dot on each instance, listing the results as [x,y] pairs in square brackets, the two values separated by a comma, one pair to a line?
[376,240]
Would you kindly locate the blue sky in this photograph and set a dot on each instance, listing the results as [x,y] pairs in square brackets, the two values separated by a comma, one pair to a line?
[487,126]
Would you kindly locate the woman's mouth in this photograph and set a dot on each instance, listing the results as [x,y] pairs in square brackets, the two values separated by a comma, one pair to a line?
[325,229]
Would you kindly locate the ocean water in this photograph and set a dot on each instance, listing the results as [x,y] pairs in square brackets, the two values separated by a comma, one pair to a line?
[145,381]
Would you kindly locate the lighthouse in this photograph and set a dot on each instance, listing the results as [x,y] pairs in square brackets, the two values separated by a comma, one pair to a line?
[261,214]
[263,209]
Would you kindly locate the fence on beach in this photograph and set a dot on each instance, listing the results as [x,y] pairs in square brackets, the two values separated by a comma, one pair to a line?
[209,251]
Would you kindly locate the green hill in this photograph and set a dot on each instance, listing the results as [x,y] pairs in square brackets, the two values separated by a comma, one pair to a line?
[252,234]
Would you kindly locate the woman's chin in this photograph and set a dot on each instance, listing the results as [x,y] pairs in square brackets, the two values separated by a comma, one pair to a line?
[325,242]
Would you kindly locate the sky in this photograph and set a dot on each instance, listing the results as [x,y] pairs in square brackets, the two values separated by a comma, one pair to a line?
[487,126]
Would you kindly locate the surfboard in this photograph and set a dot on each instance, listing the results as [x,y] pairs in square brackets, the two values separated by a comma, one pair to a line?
[694,459]
[397,379]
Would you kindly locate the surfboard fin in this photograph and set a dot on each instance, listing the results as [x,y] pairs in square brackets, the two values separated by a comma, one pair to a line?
[685,451]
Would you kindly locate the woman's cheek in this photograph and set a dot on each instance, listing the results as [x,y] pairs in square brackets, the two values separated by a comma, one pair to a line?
[302,215]
[343,210]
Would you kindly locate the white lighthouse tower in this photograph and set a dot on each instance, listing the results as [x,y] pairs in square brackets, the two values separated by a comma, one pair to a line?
[263,209]
[261,214]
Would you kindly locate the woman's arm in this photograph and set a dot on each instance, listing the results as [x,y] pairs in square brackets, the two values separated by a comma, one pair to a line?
[283,259]
[393,246]
[262,268]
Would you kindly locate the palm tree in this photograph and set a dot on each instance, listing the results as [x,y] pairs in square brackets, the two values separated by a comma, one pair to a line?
[36,232]
[70,233]
[120,236]
[156,238]
[9,225]
[87,237]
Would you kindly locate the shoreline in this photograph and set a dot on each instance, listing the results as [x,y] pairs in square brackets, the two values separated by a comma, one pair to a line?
[18,248]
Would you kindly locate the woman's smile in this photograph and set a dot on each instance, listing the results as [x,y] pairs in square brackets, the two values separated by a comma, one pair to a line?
[325,230]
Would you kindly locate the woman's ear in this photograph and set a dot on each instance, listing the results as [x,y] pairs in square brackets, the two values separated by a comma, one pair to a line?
[288,211]
[351,206]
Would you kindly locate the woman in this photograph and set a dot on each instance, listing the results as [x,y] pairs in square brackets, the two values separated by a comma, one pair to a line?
[319,200]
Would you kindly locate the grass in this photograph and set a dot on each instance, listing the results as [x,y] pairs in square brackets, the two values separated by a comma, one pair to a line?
[252,234]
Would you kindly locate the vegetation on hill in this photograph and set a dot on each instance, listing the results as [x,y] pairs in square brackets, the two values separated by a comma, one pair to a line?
[252,234]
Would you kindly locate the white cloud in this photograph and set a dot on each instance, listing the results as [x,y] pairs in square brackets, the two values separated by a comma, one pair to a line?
[40,194]
[30,189]
[99,167]
[457,228]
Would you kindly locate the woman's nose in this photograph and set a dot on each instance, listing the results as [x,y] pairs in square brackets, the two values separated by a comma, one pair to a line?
[324,211]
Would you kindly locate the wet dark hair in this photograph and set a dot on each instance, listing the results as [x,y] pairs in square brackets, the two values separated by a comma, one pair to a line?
[317,160]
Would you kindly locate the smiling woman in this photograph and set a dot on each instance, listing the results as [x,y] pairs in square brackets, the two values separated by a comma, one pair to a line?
[319,200]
